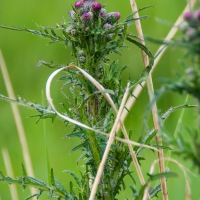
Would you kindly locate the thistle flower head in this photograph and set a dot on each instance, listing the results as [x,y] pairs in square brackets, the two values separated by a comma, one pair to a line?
[78,4]
[113,17]
[197,14]
[96,6]
[86,16]
[117,14]
[187,15]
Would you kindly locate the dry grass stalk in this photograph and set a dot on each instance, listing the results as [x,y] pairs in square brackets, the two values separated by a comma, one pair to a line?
[9,171]
[154,106]
[18,121]
[108,146]
[161,50]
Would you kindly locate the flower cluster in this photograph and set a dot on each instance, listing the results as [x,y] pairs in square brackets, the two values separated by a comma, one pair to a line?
[191,29]
[91,29]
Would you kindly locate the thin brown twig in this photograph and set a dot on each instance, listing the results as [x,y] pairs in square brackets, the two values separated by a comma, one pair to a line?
[154,106]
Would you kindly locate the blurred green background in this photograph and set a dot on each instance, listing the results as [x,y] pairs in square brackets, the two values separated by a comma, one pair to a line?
[22,51]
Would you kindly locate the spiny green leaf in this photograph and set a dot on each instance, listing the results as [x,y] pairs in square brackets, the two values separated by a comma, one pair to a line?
[74,176]
[154,191]
[162,147]
[52,178]
[153,177]
[24,170]
[144,48]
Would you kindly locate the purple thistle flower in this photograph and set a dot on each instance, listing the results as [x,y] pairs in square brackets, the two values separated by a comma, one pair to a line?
[78,4]
[197,14]
[103,12]
[117,15]
[113,17]
[187,15]
[96,6]
[88,1]
[86,16]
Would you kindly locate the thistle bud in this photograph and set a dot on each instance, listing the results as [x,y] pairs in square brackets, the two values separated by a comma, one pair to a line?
[86,16]
[117,14]
[113,17]
[197,14]
[110,37]
[187,16]
[81,53]
[72,15]
[191,33]
[69,29]
[184,26]
[78,4]
[88,1]
[73,32]
[103,14]
[107,26]
[96,6]
[82,59]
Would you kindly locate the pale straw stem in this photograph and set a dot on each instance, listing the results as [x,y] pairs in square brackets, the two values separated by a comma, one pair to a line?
[108,146]
[18,120]
[9,171]
[154,107]
[160,52]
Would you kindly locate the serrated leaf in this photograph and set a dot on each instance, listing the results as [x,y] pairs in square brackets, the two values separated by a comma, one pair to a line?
[24,170]
[60,187]
[52,178]
[153,177]
[154,191]
[74,176]
[82,145]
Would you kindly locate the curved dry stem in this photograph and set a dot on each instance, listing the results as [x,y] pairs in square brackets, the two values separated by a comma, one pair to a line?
[49,99]
[160,52]
[108,146]
[150,88]
[182,168]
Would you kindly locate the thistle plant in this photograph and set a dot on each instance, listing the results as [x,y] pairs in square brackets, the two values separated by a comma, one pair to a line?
[96,99]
